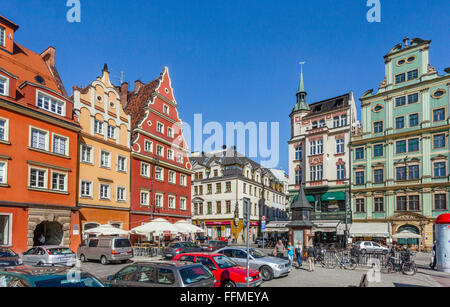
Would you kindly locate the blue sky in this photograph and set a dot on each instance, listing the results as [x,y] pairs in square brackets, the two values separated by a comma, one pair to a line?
[232,60]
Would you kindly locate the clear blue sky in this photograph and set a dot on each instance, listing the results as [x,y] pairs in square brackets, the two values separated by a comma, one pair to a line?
[232,60]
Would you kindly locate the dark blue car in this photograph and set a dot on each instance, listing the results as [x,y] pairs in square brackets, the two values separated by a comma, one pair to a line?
[9,258]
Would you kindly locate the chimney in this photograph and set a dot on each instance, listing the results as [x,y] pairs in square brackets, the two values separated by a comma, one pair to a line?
[124,94]
[137,85]
[49,56]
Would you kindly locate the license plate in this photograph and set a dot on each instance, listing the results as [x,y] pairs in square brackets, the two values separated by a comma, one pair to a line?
[169,255]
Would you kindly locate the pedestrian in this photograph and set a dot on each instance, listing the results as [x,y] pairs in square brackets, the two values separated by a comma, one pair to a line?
[311,256]
[279,249]
[298,253]
[433,261]
[42,239]
[290,250]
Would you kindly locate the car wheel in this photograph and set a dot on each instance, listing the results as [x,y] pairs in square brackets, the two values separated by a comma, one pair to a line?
[103,260]
[83,258]
[229,284]
[385,252]
[40,263]
[363,252]
[266,273]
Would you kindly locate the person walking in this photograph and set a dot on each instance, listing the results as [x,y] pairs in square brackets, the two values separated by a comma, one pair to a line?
[298,253]
[311,256]
[279,249]
[290,253]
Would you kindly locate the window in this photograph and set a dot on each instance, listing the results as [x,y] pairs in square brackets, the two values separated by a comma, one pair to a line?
[86,154]
[440,201]
[105,159]
[378,176]
[377,127]
[170,154]
[159,175]
[144,199]
[50,104]
[4,127]
[2,39]
[413,172]
[172,202]
[400,147]
[121,194]
[182,203]
[3,172]
[209,208]
[148,146]
[86,189]
[4,86]
[166,109]
[413,145]
[165,277]
[359,205]
[160,128]
[60,145]
[169,132]
[438,93]
[439,140]
[359,177]
[98,127]
[339,145]
[39,139]
[413,98]
[413,74]
[5,229]
[38,178]
[439,115]
[228,206]
[344,120]
[298,153]
[312,173]
[379,204]
[105,191]
[59,182]
[111,132]
[341,172]
[321,123]
[400,122]
[319,172]
[172,177]
[121,164]
[400,101]
[439,169]
[336,122]
[160,150]
[414,120]
[180,158]
[319,147]
[413,203]
[400,78]
[359,153]
[312,148]
[314,125]
[400,173]
[378,150]
[298,176]
[227,187]
[401,203]
[182,180]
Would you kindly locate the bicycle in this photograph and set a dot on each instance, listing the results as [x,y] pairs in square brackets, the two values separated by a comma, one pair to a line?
[345,262]
[402,264]
[320,258]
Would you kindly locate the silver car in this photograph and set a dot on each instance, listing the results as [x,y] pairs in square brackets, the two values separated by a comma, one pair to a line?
[49,255]
[268,266]
[105,249]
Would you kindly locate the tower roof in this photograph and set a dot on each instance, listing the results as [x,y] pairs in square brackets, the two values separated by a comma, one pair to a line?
[301,104]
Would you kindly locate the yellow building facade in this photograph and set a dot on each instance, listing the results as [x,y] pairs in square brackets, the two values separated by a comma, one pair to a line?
[104,155]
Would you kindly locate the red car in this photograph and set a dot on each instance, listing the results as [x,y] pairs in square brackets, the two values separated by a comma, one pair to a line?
[226,271]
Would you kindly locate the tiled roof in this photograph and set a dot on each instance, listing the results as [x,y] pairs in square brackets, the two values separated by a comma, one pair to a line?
[136,102]
[329,105]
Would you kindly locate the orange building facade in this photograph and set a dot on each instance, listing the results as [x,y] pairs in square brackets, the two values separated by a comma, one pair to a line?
[38,149]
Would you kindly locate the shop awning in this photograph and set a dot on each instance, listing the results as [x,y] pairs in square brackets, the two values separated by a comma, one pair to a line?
[310,198]
[374,230]
[331,196]
[277,227]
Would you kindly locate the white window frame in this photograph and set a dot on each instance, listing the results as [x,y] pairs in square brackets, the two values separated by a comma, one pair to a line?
[108,130]
[340,144]
[65,180]
[100,191]
[6,80]
[101,126]
[169,132]
[183,200]
[66,147]
[109,160]
[10,229]
[158,125]
[174,198]
[183,181]
[162,150]
[6,120]
[147,174]
[63,107]
[125,163]
[30,168]
[180,158]
[91,188]
[5,171]
[91,155]
[174,181]
[148,144]
[161,205]
[170,154]
[46,138]
[162,173]
[124,199]
[2,37]
[166,107]
[147,203]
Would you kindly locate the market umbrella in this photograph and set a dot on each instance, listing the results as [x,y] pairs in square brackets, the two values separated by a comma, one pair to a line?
[106,230]
[187,227]
[158,227]
[406,235]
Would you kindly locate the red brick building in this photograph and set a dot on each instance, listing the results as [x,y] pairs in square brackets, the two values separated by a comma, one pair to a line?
[160,168]
[38,149]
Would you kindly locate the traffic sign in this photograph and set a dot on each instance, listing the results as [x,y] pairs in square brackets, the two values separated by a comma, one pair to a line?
[263,218]
[263,225]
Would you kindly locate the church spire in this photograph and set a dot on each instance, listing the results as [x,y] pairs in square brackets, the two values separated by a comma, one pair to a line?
[301,105]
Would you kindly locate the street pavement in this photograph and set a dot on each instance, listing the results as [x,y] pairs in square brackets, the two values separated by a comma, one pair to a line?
[321,277]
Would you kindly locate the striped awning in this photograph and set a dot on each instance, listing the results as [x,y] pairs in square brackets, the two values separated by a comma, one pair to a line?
[374,230]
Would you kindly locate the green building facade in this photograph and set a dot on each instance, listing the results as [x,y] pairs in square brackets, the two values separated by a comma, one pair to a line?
[400,156]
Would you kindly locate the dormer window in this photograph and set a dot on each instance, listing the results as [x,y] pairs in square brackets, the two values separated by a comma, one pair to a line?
[50,104]
[4,86]
[2,37]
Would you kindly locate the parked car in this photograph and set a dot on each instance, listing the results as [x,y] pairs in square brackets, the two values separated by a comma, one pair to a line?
[370,247]
[49,255]
[268,266]
[162,274]
[202,239]
[105,249]
[177,248]
[214,245]
[9,258]
[28,276]
[259,242]
[227,272]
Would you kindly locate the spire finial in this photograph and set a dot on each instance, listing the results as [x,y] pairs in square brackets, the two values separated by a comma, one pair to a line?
[301,93]
[301,87]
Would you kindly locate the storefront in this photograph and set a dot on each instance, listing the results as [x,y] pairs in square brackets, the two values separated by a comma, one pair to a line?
[333,202]
[329,232]
[218,229]
[378,232]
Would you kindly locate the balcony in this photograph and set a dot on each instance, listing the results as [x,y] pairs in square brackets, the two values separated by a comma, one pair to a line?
[340,215]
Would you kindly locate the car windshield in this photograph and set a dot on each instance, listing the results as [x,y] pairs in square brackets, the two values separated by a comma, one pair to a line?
[60,251]
[6,252]
[122,243]
[223,262]
[256,253]
[195,274]
[70,282]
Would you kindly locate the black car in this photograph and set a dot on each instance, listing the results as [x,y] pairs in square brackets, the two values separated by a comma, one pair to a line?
[214,245]
[177,248]
[9,258]
[202,239]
